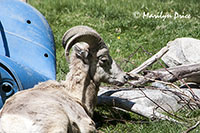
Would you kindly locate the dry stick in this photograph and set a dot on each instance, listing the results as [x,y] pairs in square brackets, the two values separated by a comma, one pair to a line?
[159,105]
[192,128]
[114,102]
[150,61]
[146,79]
[179,94]
[182,71]
[131,55]
[123,120]
[179,79]
[175,76]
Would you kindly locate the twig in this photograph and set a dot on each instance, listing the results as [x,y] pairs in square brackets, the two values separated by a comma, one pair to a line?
[150,61]
[192,128]
[178,79]
[144,79]
[175,76]
[160,106]
[131,55]
[127,121]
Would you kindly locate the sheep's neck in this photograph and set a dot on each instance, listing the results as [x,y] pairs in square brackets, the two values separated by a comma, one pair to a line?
[81,86]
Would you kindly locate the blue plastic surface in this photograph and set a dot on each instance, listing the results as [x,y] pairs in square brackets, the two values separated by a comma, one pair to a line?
[27,50]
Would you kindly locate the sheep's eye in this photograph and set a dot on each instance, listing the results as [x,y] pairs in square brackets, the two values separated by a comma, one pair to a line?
[103,61]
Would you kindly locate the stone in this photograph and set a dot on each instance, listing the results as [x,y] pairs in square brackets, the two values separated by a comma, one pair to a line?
[183,51]
[148,102]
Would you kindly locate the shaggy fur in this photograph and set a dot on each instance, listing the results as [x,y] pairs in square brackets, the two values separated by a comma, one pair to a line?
[66,106]
[47,108]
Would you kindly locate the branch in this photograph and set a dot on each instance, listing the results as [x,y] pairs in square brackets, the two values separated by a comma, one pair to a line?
[150,61]
[193,127]
[159,105]
[173,73]
[193,98]
[170,75]
[176,73]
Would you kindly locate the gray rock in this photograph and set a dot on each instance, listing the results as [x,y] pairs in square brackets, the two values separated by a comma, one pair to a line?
[183,51]
[148,102]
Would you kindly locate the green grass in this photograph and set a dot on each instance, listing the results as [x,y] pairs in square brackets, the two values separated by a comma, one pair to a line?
[115,121]
[114,19]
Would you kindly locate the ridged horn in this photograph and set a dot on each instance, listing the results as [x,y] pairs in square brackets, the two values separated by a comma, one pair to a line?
[73,31]
[80,34]
[90,37]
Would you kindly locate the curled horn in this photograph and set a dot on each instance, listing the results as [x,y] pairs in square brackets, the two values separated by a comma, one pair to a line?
[73,31]
[80,34]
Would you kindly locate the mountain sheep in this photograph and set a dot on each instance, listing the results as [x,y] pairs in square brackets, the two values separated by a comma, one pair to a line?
[66,106]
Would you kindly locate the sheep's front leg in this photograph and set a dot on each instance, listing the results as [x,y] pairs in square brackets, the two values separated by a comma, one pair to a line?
[87,125]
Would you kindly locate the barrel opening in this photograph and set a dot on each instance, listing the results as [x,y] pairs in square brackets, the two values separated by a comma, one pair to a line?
[46,55]
[7,87]
[28,21]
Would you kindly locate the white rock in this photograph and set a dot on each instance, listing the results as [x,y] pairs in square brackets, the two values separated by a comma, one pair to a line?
[183,51]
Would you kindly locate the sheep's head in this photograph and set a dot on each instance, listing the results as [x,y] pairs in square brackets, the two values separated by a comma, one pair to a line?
[91,49]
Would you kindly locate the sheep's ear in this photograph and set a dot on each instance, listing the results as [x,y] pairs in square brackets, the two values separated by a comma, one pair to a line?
[83,54]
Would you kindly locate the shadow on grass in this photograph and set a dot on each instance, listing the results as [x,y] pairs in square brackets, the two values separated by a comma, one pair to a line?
[104,116]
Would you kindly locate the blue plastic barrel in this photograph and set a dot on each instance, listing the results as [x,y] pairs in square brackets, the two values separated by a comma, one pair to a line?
[27,50]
